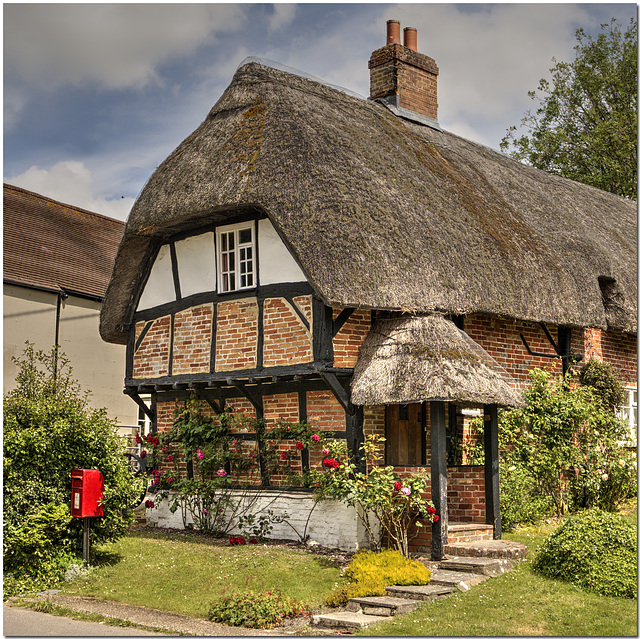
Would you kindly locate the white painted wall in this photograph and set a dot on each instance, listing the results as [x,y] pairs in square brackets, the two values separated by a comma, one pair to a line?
[329,523]
[196,264]
[159,288]
[276,263]
[30,315]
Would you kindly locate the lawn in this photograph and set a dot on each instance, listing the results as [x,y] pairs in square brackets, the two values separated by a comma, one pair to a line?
[184,574]
[520,603]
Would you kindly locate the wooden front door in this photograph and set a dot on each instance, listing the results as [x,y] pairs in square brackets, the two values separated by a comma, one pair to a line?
[405,425]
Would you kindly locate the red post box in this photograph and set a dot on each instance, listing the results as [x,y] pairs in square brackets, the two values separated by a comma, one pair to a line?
[87,487]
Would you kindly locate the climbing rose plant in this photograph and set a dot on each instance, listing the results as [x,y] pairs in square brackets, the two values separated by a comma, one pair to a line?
[399,504]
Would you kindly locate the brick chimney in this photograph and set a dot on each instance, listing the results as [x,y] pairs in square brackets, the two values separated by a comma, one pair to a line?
[403,79]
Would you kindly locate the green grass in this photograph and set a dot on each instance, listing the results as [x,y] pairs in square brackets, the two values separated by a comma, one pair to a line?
[184,574]
[520,603]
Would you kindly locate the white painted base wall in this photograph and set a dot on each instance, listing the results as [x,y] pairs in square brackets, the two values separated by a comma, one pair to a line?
[330,523]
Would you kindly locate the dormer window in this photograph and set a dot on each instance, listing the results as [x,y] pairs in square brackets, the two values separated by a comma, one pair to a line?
[236,257]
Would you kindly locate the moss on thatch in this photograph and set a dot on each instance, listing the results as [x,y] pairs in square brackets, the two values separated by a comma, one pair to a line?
[427,358]
[388,214]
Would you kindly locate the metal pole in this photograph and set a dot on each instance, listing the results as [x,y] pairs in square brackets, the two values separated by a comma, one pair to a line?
[85,540]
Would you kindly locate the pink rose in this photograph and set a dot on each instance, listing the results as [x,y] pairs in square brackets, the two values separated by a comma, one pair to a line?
[199,454]
[221,472]
[316,438]
[406,491]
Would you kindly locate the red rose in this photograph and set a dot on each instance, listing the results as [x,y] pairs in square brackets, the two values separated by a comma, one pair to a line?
[253,540]
[435,518]
[143,454]
[397,485]
[283,456]
[331,463]
[299,445]
[431,510]
[138,439]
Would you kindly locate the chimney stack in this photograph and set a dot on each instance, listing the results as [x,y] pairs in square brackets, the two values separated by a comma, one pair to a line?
[403,79]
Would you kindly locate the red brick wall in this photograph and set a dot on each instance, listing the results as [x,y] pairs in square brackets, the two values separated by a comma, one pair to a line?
[192,340]
[151,359]
[236,334]
[286,339]
[347,343]
[465,494]
[619,349]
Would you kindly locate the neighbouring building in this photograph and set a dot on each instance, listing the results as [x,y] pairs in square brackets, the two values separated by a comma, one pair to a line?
[57,260]
[308,255]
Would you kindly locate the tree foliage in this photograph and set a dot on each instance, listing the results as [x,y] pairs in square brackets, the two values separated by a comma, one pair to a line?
[585,126]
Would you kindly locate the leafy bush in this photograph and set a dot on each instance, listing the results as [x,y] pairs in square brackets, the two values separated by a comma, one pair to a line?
[562,451]
[370,572]
[49,429]
[595,550]
[256,609]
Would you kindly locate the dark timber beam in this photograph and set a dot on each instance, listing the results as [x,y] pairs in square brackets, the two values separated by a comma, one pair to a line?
[255,400]
[491,469]
[440,529]
[341,320]
[148,411]
[206,395]
[338,390]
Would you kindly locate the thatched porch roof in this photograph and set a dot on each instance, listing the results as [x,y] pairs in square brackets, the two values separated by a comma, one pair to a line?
[427,358]
[383,213]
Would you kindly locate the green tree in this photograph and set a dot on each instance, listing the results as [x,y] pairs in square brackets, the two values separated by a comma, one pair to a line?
[49,429]
[585,126]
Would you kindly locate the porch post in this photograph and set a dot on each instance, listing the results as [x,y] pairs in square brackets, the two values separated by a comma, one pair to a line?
[491,469]
[439,530]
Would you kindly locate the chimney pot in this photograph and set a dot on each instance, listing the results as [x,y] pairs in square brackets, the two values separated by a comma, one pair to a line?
[411,38]
[393,32]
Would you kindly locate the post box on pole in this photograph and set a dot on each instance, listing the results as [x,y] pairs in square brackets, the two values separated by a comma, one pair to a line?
[87,489]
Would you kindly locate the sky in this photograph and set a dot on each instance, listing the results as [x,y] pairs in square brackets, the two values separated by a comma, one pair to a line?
[96,96]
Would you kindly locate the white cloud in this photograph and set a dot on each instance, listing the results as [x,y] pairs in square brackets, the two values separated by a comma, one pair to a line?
[71,182]
[490,56]
[112,46]
[283,15]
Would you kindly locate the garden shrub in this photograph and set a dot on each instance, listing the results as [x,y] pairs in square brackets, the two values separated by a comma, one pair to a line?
[49,429]
[256,609]
[370,572]
[594,550]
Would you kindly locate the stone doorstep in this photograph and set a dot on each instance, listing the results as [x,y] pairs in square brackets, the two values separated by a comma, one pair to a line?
[476,565]
[460,580]
[384,606]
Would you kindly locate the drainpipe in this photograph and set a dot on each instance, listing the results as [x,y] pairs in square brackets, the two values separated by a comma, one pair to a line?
[61,296]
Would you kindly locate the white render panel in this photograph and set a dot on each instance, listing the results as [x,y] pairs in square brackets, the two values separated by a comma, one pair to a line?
[306,517]
[276,263]
[159,288]
[196,264]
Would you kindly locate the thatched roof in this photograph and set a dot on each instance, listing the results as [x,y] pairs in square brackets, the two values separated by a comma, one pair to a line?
[427,358]
[384,213]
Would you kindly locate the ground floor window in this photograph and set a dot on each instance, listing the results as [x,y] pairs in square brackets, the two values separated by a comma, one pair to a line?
[629,413]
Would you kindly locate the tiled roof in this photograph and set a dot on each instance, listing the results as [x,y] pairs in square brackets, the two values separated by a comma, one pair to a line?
[56,246]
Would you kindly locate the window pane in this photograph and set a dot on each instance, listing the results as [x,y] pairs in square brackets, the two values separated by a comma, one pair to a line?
[245,236]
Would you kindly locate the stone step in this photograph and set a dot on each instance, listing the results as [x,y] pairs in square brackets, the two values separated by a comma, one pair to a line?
[384,606]
[496,548]
[456,578]
[421,593]
[477,565]
[346,620]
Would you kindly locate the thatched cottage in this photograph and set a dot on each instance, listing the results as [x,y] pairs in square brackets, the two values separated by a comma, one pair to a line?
[306,254]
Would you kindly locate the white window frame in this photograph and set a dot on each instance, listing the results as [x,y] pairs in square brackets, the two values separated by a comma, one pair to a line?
[628,412]
[236,270]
